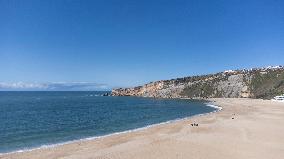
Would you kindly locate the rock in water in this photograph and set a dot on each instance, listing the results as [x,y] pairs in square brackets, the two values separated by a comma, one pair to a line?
[106,94]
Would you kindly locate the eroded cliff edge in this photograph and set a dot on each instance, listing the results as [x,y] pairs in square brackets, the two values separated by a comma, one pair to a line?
[253,83]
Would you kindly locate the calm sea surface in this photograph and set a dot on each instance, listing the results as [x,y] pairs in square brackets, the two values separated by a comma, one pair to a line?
[33,119]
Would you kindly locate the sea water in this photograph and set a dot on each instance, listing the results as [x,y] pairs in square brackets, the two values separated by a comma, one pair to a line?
[34,119]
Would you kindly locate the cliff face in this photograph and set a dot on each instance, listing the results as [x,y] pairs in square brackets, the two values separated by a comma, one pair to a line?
[253,83]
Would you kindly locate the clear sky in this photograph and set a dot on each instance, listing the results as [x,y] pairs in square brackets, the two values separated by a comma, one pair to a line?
[113,43]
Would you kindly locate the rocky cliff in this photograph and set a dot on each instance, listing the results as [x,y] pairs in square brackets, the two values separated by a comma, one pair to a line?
[254,83]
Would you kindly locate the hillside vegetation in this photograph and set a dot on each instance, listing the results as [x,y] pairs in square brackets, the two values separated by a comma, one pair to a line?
[254,83]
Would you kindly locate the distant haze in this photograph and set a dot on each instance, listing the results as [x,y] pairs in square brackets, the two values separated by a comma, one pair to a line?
[59,86]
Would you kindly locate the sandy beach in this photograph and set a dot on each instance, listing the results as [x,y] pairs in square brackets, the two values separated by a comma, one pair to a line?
[244,128]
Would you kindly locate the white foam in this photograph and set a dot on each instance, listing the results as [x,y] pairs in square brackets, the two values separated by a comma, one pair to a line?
[218,108]
[214,106]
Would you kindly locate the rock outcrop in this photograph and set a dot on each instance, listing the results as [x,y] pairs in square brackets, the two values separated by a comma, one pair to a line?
[254,83]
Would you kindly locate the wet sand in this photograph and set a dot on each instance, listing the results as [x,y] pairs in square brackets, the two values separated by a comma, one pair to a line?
[244,128]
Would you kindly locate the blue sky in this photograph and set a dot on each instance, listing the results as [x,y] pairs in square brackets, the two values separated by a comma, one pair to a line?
[119,43]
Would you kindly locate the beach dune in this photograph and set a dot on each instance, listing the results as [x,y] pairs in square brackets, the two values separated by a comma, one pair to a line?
[243,129]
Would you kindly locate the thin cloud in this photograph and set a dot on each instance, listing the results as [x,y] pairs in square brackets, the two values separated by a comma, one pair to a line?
[56,86]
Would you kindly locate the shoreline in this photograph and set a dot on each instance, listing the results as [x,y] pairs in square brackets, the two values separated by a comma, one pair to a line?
[245,128]
[48,146]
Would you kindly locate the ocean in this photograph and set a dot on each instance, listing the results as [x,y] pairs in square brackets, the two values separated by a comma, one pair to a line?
[37,119]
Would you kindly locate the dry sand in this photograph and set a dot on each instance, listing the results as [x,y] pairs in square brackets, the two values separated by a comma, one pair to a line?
[256,132]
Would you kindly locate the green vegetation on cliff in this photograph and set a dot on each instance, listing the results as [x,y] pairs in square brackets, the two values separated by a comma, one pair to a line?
[267,84]
[254,83]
